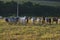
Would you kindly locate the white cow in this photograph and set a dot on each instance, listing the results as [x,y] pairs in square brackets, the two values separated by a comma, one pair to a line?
[37,20]
[31,20]
[22,20]
[58,21]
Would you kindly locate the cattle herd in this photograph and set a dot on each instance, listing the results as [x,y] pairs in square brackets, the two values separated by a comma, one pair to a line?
[32,20]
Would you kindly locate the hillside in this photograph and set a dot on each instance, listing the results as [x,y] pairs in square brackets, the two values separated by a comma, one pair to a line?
[44,2]
[49,3]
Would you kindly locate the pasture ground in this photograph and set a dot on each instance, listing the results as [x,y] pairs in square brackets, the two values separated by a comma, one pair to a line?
[20,32]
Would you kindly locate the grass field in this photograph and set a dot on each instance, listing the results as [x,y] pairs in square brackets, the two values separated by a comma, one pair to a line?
[20,32]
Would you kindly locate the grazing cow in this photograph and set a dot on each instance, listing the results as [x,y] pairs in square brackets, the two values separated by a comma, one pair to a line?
[11,20]
[7,19]
[55,19]
[27,19]
[38,20]
[43,21]
[31,20]
[48,20]
[58,20]
[22,20]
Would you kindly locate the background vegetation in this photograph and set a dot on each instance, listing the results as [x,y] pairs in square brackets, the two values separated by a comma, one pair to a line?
[28,9]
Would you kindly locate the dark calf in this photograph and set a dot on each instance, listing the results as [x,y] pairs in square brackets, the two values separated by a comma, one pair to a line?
[55,19]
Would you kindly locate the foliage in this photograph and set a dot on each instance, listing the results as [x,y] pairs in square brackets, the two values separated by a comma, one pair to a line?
[28,9]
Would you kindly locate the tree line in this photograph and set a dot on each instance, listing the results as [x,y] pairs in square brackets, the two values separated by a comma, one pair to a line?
[27,9]
[50,0]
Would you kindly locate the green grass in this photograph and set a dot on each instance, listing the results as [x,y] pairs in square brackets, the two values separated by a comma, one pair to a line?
[16,32]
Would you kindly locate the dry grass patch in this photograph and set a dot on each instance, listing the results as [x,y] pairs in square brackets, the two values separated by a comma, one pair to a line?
[16,32]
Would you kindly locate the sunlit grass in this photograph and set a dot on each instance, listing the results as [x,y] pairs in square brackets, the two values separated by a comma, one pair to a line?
[15,32]
[29,32]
